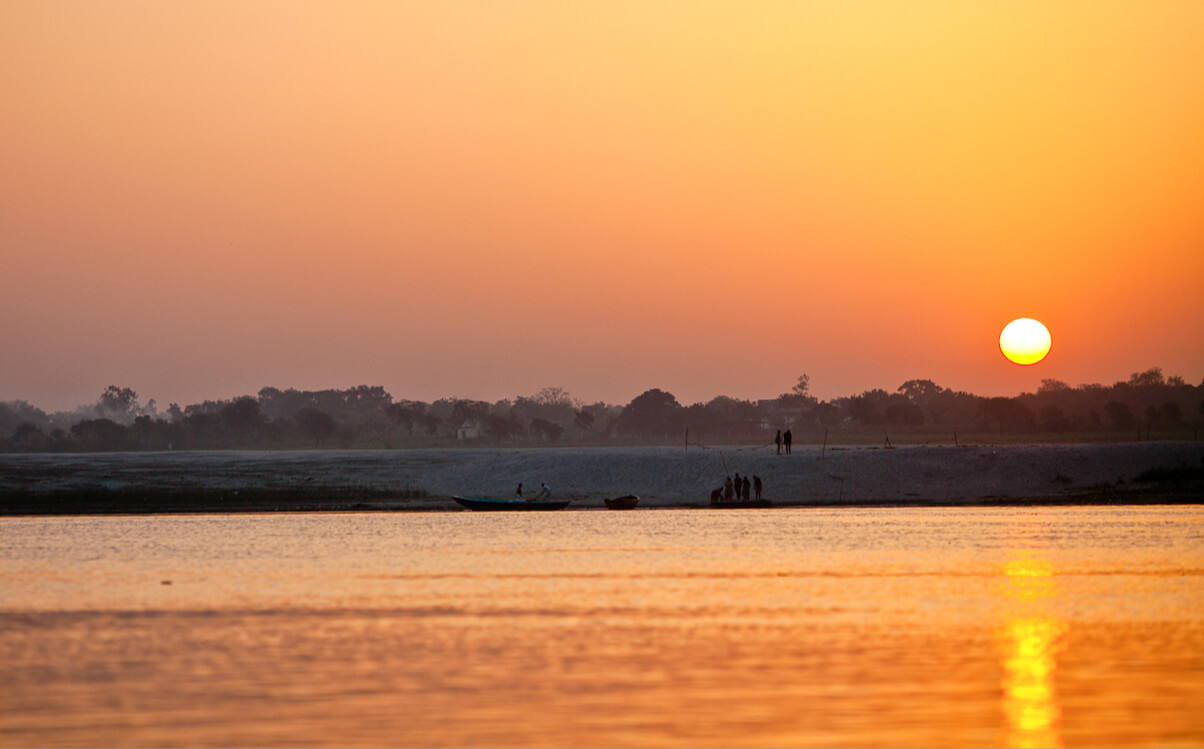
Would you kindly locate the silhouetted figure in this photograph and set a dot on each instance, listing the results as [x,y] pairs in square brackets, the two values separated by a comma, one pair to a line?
[727,489]
[778,441]
[518,493]
[747,488]
[736,486]
[787,438]
[545,492]
[717,495]
[757,486]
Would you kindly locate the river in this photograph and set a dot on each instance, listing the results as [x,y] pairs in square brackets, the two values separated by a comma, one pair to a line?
[1072,626]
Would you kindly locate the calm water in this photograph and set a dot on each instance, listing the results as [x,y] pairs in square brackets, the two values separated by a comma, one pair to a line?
[1014,627]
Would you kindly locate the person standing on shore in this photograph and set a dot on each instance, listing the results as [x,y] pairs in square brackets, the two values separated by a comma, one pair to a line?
[778,441]
[518,493]
[757,487]
[727,489]
[747,488]
[787,438]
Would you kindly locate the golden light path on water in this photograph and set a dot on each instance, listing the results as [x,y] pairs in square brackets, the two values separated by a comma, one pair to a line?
[1029,643]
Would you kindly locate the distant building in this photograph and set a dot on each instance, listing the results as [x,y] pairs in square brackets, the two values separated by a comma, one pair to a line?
[775,415]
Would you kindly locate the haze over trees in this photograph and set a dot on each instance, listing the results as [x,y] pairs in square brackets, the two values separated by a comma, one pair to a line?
[1148,405]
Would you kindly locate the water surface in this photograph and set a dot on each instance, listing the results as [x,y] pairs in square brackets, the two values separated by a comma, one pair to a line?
[870,627]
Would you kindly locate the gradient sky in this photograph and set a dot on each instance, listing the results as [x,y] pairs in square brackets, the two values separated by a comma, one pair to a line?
[480,199]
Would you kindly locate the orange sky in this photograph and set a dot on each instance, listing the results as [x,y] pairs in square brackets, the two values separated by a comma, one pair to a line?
[480,199]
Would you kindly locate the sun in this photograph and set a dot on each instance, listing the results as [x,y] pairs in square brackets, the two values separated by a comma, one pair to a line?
[1025,341]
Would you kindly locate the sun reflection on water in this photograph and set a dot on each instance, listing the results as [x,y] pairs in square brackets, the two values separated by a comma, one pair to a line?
[1029,643]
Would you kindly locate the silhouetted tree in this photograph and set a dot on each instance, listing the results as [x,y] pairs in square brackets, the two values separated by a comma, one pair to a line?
[502,428]
[119,403]
[143,432]
[28,437]
[800,387]
[1006,413]
[729,416]
[362,411]
[553,396]
[366,398]
[1153,416]
[1150,378]
[789,408]
[937,404]
[583,420]
[603,417]
[406,413]
[96,435]
[242,419]
[550,404]
[902,412]
[318,425]
[868,408]
[1171,413]
[201,428]
[653,413]
[1119,414]
[466,412]
[546,430]
[1053,419]
[827,414]
[1052,386]
[13,413]
[430,424]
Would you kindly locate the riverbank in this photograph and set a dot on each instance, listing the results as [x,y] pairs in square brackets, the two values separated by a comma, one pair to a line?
[1135,473]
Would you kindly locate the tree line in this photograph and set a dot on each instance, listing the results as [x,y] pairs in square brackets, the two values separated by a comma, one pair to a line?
[368,416]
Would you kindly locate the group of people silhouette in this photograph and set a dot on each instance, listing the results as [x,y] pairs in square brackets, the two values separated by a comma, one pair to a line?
[783,440]
[738,489]
[733,490]
[748,488]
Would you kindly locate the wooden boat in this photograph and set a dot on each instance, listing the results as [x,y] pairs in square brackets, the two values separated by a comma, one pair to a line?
[622,503]
[492,504]
[736,504]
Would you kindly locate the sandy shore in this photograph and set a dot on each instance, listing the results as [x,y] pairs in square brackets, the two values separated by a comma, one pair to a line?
[661,476]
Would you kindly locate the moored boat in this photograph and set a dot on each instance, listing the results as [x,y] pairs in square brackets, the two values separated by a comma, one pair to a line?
[627,502]
[494,504]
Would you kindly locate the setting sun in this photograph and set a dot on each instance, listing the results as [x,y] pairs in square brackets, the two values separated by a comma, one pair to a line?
[1025,341]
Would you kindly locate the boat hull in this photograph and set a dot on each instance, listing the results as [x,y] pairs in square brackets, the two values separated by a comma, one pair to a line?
[622,503]
[490,504]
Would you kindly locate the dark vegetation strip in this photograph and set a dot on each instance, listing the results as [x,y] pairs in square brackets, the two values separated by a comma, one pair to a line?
[136,501]
[162,501]
[1147,407]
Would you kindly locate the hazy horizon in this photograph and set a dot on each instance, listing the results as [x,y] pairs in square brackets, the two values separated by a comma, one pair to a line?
[481,200]
[161,404]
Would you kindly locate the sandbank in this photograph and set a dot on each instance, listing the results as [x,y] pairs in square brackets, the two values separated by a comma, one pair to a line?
[425,479]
